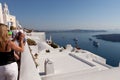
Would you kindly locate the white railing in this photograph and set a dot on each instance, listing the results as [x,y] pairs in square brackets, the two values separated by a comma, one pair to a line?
[28,69]
[82,60]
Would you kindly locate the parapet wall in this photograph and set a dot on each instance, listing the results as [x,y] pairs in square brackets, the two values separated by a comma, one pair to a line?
[28,69]
[37,36]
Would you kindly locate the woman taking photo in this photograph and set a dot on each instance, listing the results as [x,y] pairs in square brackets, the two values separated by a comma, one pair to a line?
[8,66]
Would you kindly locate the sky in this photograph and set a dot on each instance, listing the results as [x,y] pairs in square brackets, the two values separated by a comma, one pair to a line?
[66,14]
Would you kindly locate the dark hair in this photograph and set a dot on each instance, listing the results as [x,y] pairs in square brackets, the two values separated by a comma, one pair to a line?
[18,35]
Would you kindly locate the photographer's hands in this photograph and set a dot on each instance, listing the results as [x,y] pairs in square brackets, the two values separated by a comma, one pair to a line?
[21,37]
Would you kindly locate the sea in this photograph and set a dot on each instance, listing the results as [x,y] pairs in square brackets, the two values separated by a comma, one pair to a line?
[106,49]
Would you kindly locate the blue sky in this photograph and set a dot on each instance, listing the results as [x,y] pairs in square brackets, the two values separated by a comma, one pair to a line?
[66,14]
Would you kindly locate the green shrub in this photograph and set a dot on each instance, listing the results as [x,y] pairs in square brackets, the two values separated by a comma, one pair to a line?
[28,31]
[54,45]
[48,51]
[31,42]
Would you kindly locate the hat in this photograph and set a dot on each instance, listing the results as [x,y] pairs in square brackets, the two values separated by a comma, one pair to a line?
[10,32]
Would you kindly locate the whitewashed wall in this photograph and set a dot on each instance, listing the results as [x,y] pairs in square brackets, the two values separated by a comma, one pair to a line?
[28,69]
[1,14]
[37,36]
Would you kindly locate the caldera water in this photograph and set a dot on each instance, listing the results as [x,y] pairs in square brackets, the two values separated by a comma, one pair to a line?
[106,49]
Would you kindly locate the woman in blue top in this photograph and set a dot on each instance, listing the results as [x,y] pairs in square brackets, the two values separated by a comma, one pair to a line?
[8,66]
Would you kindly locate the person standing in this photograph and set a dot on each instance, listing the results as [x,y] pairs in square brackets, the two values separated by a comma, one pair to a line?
[8,66]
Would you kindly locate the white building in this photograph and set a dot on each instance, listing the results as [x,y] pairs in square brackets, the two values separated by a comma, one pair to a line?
[1,14]
[6,17]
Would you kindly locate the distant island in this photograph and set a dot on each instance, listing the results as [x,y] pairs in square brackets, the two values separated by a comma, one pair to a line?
[109,37]
[76,30]
[80,30]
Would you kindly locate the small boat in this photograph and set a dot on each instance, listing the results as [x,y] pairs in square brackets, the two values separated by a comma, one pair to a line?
[76,43]
[90,39]
[96,44]
[75,39]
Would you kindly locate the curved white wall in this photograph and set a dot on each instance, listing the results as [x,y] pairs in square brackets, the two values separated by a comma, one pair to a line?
[37,36]
[28,69]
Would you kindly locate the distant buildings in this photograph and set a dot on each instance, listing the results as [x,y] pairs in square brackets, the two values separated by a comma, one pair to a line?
[6,17]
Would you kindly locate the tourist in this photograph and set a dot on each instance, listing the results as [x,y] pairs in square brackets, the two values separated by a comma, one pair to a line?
[8,66]
[10,35]
[14,31]
[17,36]
[15,53]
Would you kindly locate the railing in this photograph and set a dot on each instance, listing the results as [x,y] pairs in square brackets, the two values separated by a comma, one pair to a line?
[108,66]
[88,63]
[28,69]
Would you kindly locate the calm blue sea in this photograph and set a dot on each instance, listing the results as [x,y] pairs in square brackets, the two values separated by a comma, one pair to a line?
[107,49]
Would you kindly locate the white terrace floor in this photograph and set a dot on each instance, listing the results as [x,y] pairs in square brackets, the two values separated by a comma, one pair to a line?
[66,61]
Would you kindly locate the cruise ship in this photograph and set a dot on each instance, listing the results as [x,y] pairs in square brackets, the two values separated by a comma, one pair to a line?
[43,62]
